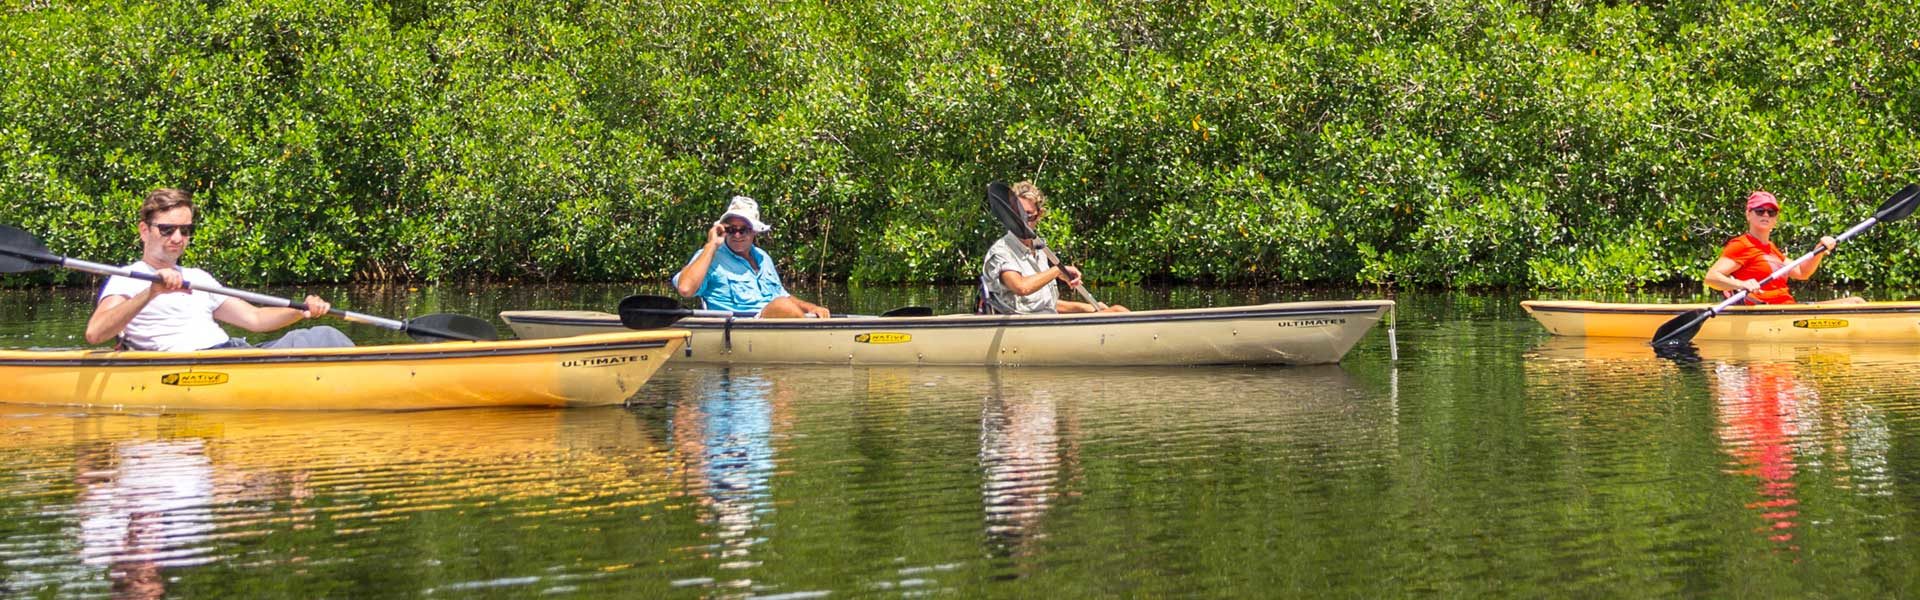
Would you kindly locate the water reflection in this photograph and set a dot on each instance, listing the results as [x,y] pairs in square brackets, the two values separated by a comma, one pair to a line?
[1021,456]
[1134,453]
[131,501]
[723,429]
[1794,423]
[145,505]
[1813,414]
[1490,461]
[1761,408]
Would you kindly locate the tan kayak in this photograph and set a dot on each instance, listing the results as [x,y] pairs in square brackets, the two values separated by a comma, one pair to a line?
[1295,333]
[1870,322]
[581,371]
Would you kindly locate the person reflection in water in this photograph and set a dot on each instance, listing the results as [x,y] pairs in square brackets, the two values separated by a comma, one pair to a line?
[145,505]
[1760,410]
[1020,452]
[725,435]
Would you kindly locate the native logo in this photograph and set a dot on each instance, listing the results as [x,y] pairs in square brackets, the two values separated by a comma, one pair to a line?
[193,378]
[601,361]
[1820,323]
[883,338]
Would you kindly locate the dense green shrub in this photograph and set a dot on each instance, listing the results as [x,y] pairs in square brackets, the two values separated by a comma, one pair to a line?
[1557,144]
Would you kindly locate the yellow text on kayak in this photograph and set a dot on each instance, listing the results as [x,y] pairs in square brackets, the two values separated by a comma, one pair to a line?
[883,338]
[1820,323]
[194,378]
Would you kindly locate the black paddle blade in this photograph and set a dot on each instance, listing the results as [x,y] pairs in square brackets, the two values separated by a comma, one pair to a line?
[1682,354]
[1000,201]
[909,311]
[1680,330]
[449,327]
[1900,205]
[650,312]
[20,252]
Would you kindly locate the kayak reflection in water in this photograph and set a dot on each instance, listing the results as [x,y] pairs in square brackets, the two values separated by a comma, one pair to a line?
[1752,256]
[1017,279]
[171,317]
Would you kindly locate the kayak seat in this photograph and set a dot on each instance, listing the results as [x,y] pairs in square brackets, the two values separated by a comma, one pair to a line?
[981,306]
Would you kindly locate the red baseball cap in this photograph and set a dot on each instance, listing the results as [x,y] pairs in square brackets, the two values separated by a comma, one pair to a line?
[1760,199]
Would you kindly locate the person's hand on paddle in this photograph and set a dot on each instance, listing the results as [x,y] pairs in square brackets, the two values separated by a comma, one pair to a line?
[1071,275]
[317,307]
[1829,244]
[170,282]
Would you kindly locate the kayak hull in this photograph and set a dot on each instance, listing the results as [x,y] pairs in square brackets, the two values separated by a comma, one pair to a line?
[1296,333]
[1613,349]
[583,371]
[1880,322]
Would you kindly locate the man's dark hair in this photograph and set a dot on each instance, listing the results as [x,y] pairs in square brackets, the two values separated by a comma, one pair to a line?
[163,200]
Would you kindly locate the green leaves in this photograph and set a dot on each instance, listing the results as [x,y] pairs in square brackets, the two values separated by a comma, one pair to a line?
[1391,143]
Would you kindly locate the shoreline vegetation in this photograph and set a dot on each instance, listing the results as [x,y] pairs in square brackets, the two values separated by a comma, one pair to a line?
[1489,144]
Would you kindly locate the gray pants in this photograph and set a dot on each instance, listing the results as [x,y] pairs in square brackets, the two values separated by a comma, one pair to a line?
[312,337]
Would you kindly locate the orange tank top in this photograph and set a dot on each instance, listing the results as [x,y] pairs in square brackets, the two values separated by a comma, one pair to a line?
[1757,260]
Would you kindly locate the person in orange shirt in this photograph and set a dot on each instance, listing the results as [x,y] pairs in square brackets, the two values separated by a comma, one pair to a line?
[1751,257]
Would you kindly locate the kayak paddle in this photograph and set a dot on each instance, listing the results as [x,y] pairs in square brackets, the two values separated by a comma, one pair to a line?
[20,252]
[1007,210]
[1681,329]
[641,311]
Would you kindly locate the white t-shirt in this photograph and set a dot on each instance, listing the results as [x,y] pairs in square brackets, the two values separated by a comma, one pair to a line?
[1009,254]
[171,322]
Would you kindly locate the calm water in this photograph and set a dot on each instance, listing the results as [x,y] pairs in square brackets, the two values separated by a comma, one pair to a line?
[1489,460]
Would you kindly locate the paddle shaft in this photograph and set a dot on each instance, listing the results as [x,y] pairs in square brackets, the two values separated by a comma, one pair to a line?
[1789,267]
[644,311]
[693,312]
[1041,245]
[260,299]
[716,314]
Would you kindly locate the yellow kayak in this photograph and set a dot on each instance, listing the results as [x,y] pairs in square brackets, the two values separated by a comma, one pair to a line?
[577,371]
[1897,322]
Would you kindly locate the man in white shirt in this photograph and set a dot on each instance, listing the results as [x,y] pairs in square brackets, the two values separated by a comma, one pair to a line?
[1018,280]
[173,317]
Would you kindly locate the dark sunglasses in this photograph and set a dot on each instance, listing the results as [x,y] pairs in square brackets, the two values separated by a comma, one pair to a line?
[1766,212]
[740,230]
[166,231]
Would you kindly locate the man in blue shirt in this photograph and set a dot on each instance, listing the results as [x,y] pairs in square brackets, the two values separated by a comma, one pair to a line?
[730,274]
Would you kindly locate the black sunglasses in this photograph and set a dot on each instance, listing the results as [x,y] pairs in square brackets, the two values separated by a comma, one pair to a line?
[1766,212]
[166,231]
[740,230]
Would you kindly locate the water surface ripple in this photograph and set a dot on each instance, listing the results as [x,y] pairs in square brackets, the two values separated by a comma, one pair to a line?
[1490,460]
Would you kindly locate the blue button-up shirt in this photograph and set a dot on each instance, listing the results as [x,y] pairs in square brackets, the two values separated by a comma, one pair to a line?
[733,284]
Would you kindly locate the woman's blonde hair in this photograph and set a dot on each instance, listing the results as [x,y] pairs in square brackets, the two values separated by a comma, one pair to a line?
[1032,193]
